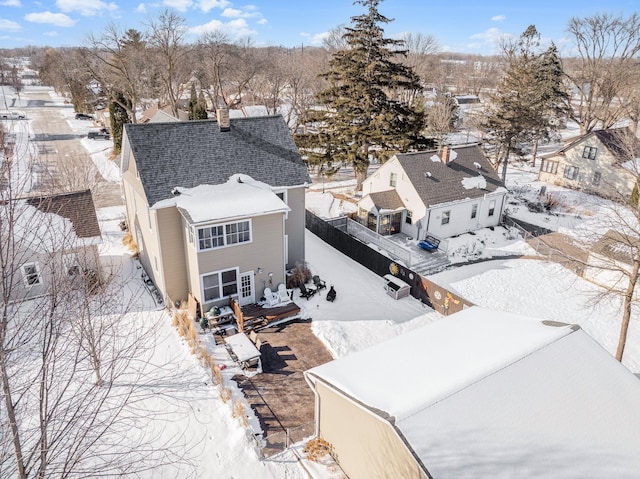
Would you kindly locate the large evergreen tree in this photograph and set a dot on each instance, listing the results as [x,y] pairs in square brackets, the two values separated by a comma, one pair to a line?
[118,116]
[526,106]
[363,114]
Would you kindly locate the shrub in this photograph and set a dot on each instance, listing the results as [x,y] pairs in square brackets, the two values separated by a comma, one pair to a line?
[301,274]
[317,448]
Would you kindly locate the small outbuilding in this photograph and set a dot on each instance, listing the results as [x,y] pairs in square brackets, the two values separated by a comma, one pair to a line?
[481,393]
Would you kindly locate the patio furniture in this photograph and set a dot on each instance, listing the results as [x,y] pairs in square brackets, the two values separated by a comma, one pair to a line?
[395,287]
[243,349]
[429,243]
[307,292]
[284,294]
[217,316]
[320,284]
[331,294]
[271,298]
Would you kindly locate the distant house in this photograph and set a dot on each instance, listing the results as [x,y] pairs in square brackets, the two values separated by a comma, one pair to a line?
[481,393]
[442,193]
[54,240]
[602,162]
[161,114]
[216,207]
[611,260]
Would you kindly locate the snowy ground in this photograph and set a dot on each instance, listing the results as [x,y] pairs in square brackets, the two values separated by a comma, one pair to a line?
[196,422]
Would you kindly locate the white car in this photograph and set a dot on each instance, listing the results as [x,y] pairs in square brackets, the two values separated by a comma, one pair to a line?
[12,115]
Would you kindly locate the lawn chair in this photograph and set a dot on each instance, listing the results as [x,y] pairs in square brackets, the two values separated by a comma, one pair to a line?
[271,298]
[307,292]
[320,284]
[284,294]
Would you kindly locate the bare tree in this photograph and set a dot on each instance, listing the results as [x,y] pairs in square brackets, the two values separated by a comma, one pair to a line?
[171,56]
[69,390]
[421,55]
[607,71]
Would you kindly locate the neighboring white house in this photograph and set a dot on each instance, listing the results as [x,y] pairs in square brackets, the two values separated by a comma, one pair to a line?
[481,394]
[442,193]
[601,162]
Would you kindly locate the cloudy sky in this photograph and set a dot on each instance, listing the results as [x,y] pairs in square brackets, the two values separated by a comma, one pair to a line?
[467,26]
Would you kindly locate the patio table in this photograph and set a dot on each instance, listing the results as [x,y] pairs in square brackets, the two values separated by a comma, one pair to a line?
[244,349]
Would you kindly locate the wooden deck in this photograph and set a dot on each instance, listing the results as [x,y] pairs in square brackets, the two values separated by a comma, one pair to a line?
[253,316]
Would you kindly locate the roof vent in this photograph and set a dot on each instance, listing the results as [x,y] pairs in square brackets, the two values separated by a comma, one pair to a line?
[175,191]
[428,174]
[477,165]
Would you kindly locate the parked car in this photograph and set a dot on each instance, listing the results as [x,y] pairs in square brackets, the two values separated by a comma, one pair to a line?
[83,116]
[102,133]
[12,115]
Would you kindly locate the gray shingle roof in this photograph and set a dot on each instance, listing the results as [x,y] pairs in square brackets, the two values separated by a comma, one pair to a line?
[77,207]
[445,181]
[192,153]
[621,142]
[387,200]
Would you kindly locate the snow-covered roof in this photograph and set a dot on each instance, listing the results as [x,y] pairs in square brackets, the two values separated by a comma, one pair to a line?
[241,196]
[484,393]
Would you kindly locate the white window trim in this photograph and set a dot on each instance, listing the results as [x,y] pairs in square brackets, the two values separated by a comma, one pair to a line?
[445,214]
[492,208]
[25,279]
[224,236]
[219,273]
[285,198]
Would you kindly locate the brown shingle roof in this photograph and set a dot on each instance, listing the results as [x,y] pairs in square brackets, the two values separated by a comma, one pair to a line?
[386,200]
[437,182]
[616,246]
[77,207]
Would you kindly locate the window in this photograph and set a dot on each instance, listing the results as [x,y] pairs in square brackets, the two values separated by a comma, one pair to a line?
[409,218]
[446,215]
[597,176]
[474,211]
[224,235]
[393,179]
[31,274]
[549,166]
[589,152]
[570,172]
[220,284]
[492,207]
[238,232]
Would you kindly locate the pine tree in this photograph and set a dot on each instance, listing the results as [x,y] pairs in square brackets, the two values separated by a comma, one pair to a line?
[118,116]
[193,101]
[363,114]
[200,111]
[526,106]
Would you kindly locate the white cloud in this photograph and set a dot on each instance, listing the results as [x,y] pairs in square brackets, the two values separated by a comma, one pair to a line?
[498,18]
[86,8]
[206,5]
[10,3]
[57,19]
[50,34]
[141,8]
[262,21]
[9,26]
[235,28]
[316,39]
[180,5]
[247,12]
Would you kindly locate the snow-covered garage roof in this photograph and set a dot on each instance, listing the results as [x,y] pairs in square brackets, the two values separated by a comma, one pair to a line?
[484,393]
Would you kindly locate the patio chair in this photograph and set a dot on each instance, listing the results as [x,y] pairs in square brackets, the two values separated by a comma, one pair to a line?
[284,294]
[307,292]
[271,298]
[320,284]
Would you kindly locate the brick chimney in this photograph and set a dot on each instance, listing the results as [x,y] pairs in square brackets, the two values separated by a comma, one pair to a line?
[445,155]
[222,114]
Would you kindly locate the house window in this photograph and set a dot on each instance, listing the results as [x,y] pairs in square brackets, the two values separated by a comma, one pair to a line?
[393,179]
[238,232]
[589,152]
[190,230]
[409,218]
[224,235]
[474,211]
[446,215]
[570,172]
[31,274]
[549,166]
[220,284]
[492,207]
[597,176]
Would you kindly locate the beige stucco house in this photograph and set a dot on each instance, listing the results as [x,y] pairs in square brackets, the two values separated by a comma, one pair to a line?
[602,162]
[439,193]
[53,240]
[216,207]
[480,393]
